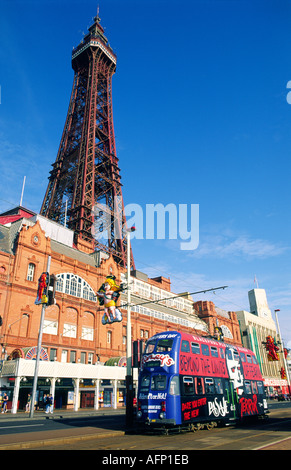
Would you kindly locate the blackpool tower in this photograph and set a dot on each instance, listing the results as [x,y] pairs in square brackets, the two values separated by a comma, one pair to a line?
[84,192]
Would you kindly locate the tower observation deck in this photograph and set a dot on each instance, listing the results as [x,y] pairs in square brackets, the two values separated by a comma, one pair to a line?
[84,191]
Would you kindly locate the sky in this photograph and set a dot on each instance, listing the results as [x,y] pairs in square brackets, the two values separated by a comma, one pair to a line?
[202,117]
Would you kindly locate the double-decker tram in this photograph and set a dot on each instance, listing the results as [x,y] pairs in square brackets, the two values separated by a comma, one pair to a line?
[192,381]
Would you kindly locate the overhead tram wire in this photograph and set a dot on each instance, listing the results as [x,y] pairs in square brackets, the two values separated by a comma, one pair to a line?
[179,279]
[175,296]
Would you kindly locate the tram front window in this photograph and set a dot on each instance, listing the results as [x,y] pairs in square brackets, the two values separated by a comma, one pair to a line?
[145,383]
[159,382]
[150,346]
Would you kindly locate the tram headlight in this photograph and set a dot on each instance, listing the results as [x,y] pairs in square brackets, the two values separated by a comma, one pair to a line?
[139,414]
[162,415]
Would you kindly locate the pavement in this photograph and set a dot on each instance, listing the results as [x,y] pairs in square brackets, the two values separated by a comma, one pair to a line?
[26,440]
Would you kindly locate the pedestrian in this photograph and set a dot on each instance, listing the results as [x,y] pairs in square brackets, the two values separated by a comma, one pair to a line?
[46,403]
[51,404]
[5,401]
[27,406]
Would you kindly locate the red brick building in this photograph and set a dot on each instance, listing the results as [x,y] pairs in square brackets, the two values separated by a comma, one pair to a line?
[73,331]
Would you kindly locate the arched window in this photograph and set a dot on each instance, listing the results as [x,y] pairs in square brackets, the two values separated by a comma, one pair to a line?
[72,284]
[30,272]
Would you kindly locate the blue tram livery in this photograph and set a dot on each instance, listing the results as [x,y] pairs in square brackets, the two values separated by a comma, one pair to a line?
[192,381]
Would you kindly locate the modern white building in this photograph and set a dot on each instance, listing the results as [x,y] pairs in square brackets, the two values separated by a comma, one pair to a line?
[256,326]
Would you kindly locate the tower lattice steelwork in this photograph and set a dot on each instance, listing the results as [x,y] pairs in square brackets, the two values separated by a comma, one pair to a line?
[84,191]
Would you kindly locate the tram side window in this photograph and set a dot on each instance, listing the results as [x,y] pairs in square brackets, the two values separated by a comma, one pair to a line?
[214,351]
[185,346]
[209,386]
[174,388]
[260,387]
[221,351]
[205,349]
[236,356]
[195,347]
[249,359]
[243,357]
[248,387]
[199,386]
[218,386]
[254,387]
[159,382]
[188,385]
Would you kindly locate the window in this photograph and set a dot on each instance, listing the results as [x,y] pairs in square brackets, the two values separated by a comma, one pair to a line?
[87,333]
[70,331]
[159,382]
[90,358]
[195,347]
[83,358]
[164,345]
[109,337]
[248,387]
[53,354]
[209,386]
[205,349]
[30,272]
[243,357]
[50,327]
[236,356]
[73,356]
[249,359]
[199,386]
[221,351]
[64,355]
[254,360]
[174,388]
[214,351]
[74,285]
[260,387]
[185,346]
[150,346]
[218,386]
[145,383]
[254,388]
[188,385]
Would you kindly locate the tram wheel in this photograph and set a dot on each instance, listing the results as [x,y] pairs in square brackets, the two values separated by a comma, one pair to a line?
[193,428]
[210,425]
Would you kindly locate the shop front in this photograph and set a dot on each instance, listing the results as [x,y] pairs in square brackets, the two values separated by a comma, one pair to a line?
[276,387]
[72,386]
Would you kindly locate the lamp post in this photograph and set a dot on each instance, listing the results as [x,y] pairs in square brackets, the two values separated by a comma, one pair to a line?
[284,360]
[129,378]
[35,379]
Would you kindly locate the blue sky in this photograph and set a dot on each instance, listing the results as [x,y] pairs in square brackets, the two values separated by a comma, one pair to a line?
[201,117]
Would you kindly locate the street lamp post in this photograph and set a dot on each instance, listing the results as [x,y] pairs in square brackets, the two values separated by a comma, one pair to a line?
[284,360]
[35,379]
[129,378]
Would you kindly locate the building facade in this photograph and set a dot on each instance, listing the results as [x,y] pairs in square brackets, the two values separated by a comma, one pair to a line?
[73,332]
[259,333]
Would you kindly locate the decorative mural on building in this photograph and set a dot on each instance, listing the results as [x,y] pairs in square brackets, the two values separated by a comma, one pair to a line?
[272,349]
[283,373]
[108,295]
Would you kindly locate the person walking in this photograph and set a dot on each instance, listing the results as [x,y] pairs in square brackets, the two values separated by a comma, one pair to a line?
[51,404]
[27,406]
[46,403]
[5,401]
